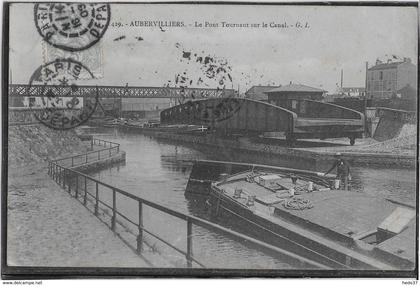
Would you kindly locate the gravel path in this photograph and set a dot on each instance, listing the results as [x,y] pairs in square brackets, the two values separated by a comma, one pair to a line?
[46,227]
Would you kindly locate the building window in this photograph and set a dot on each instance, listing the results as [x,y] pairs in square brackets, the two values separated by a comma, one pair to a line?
[302,107]
[381,75]
[31,102]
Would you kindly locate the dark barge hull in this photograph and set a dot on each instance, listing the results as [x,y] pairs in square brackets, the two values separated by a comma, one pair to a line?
[284,237]
[311,243]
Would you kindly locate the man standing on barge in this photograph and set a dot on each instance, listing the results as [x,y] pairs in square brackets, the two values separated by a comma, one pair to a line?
[343,171]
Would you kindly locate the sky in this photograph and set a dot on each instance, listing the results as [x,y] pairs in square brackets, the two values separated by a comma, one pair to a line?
[335,38]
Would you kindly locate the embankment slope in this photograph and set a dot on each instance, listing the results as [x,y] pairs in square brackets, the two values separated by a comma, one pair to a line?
[35,143]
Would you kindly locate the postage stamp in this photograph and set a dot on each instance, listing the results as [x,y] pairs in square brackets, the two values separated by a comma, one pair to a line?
[72,26]
[63,108]
[92,58]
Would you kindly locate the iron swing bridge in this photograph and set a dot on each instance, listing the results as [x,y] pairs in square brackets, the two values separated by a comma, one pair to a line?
[25,90]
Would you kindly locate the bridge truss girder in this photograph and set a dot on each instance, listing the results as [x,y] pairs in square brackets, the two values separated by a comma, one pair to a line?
[24,90]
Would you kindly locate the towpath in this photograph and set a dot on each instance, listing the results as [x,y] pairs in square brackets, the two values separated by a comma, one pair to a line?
[47,227]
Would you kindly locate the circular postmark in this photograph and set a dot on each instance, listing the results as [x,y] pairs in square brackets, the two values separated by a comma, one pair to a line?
[72,26]
[59,102]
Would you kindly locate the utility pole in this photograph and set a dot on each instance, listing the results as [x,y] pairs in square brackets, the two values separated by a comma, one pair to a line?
[341,85]
[125,91]
[365,101]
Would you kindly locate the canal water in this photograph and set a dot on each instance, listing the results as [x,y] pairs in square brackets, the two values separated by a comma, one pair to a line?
[154,170]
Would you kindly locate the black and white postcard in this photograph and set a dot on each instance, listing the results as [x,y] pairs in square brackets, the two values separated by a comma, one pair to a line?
[209,139]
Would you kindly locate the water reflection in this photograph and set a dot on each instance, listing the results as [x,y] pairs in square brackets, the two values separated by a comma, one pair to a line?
[159,171]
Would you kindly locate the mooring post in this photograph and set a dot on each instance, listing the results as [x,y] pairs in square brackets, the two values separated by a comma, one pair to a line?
[114,209]
[189,243]
[140,236]
[85,197]
[97,199]
[76,194]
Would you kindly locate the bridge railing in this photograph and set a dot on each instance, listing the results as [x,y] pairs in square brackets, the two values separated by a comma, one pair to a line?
[77,184]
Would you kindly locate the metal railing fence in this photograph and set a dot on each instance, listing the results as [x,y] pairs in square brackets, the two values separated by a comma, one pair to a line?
[109,149]
[76,183]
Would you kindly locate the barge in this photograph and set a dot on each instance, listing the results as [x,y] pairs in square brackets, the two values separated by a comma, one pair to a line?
[303,212]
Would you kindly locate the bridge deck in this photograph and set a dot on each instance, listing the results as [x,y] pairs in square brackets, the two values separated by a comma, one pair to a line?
[307,122]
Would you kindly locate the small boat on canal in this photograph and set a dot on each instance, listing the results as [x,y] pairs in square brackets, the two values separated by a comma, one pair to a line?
[304,212]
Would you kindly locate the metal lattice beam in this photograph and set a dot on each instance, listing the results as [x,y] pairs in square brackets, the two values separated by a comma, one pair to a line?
[24,90]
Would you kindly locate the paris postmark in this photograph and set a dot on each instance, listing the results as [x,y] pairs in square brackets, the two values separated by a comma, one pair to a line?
[72,26]
[60,99]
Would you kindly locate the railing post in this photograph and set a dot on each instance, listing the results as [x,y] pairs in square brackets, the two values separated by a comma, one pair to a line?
[76,194]
[64,178]
[85,197]
[97,199]
[109,152]
[58,175]
[63,182]
[69,184]
[140,236]
[189,243]
[99,155]
[86,158]
[118,148]
[91,143]
[114,210]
